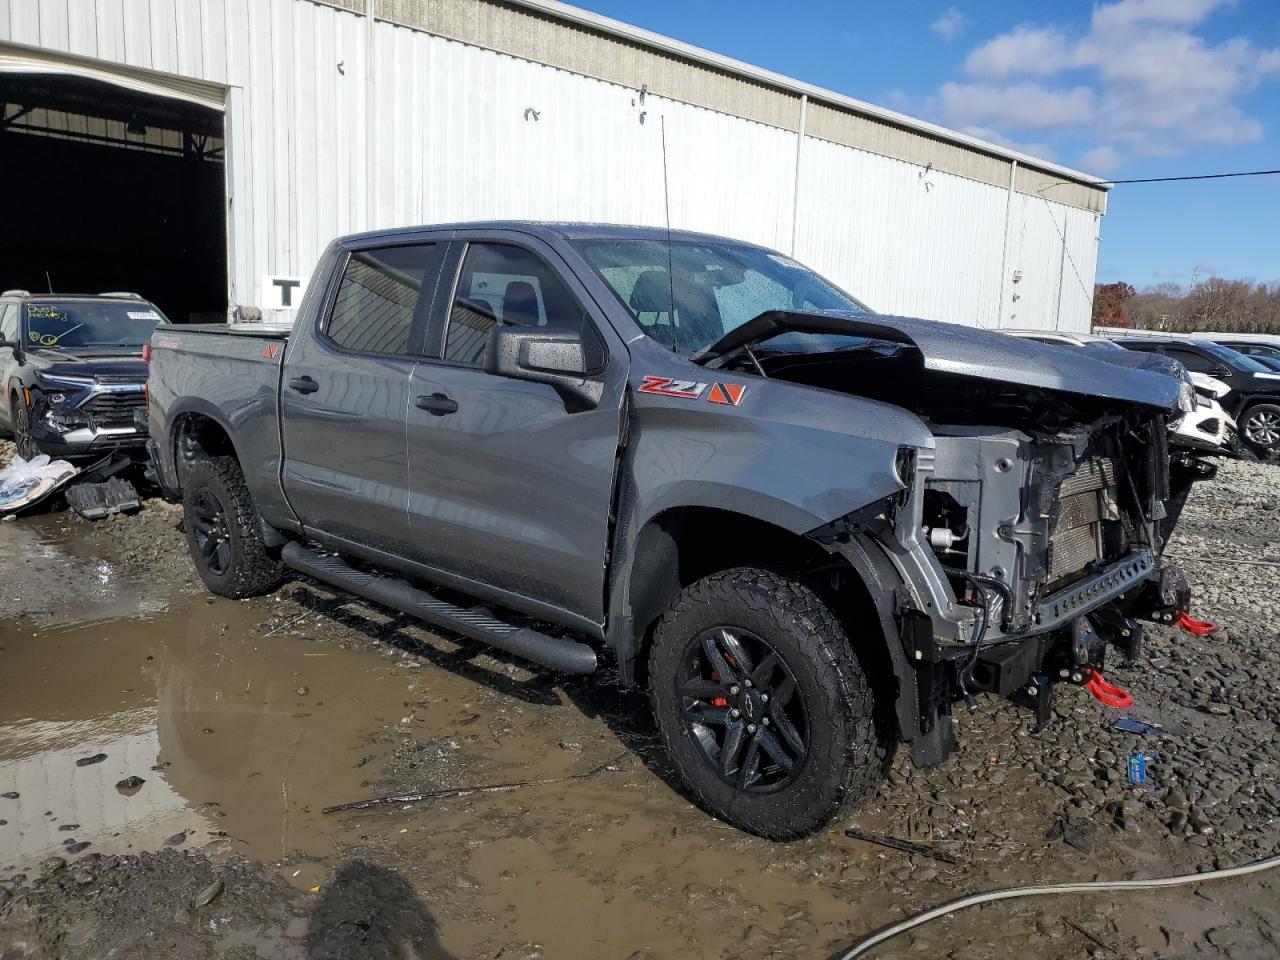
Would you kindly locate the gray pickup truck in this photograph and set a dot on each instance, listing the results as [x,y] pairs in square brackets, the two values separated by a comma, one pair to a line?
[808,529]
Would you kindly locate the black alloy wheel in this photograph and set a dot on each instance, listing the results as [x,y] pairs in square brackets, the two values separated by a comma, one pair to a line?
[766,711]
[225,532]
[742,706]
[211,534]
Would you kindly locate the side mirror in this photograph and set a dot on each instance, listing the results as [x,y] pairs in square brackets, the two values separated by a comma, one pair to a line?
[1222,372]
[556,357]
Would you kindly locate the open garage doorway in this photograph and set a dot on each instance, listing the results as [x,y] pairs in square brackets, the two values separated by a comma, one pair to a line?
[106,188]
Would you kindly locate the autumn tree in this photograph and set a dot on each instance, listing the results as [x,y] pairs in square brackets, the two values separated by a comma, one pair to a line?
[1109,305]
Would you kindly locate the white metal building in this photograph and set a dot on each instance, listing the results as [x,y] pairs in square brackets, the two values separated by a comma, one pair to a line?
[203,152]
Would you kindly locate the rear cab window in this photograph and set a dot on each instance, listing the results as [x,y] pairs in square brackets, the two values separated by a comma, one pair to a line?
[383,299]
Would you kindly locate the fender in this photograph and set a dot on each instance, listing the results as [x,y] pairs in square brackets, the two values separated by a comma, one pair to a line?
[262,477]
[886,586]
[182,406]
[15,386]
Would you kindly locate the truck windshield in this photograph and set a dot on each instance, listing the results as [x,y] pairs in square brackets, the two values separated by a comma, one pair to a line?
[716,287]
[90,324]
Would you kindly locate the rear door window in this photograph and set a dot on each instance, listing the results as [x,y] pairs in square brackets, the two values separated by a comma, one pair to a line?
[1193,361]
[384,299]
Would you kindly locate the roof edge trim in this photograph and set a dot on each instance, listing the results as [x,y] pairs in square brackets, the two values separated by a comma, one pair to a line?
[687,51]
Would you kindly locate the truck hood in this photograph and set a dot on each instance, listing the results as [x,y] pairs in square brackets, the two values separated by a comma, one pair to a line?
[108,367]
[962,351]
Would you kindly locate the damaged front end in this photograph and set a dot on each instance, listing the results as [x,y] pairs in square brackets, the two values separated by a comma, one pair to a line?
[1027,555]
[1028,539]
[79,416]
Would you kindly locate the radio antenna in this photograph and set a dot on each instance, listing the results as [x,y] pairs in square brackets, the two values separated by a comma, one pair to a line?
[666,204]
[48,281]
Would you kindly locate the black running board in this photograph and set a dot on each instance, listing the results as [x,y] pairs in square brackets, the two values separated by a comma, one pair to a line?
[567,656]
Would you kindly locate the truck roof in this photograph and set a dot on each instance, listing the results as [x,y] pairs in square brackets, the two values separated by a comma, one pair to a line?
[564,230]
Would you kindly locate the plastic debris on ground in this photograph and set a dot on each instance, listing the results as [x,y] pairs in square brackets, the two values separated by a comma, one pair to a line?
[93,501]
[24,483]
[1137,766]
[1134,725]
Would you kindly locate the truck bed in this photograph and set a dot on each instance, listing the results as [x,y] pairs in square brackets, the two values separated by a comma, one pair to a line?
[227,374]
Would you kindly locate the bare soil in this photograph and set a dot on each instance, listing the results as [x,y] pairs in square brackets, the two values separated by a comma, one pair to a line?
[245,720]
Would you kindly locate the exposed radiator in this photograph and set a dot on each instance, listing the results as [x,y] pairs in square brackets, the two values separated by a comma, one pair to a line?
[1075,540]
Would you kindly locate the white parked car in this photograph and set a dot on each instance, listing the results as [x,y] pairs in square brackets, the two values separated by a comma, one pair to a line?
[1206,427]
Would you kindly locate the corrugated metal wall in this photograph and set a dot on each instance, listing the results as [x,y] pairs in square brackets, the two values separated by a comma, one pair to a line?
[458,132]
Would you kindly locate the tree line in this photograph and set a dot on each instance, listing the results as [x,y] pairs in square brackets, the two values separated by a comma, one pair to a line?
[1229,306]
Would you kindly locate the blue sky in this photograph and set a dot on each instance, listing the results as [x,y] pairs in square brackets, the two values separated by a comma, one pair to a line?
[1122,89]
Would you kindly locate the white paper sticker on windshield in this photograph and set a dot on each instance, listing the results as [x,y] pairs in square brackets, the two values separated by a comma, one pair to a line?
[143,315]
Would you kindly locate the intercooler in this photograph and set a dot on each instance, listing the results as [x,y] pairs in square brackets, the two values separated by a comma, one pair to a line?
[1085,499]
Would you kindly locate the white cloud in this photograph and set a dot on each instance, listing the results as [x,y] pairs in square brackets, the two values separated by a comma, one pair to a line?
[1026,50]
[1127,14]
[1139,78]
[1101,159]
[1021,106]
[950,24]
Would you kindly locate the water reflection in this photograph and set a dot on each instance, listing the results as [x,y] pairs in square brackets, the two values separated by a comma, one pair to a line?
[235,734]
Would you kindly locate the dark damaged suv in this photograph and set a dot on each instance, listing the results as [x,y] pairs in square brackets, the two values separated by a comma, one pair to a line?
[809,530]
[73,374]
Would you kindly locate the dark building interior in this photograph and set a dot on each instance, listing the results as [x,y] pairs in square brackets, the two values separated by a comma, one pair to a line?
[106,189]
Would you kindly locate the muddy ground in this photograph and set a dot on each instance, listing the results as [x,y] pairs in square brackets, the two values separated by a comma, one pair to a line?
[244,720]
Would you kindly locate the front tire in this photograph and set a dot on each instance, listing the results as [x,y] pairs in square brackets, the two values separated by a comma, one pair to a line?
[23,442]
[1260,425]
[223,533]
[767,714]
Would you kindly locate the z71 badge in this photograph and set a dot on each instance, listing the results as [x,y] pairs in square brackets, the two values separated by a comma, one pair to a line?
[666,387]
[725,393]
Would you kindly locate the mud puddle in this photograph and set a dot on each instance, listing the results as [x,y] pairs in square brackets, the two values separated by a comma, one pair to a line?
[257,715]
[52,572]
[238,738]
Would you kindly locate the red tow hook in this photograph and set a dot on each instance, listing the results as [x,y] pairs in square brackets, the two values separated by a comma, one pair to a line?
[1108,694]
[1195,625]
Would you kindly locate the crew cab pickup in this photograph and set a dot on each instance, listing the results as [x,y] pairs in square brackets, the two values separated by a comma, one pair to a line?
[806,528]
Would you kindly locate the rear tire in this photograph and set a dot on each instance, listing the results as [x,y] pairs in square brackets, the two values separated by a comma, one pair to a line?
[223,532]
[804,700]
[1260,426]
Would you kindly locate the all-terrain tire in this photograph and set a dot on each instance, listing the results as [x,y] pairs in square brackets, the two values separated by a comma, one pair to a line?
[247,568]
[1260,426]
[850,740]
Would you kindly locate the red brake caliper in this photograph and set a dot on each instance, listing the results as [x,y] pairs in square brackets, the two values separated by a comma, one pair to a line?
[717,701]
[1195,625]
[1106,693]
